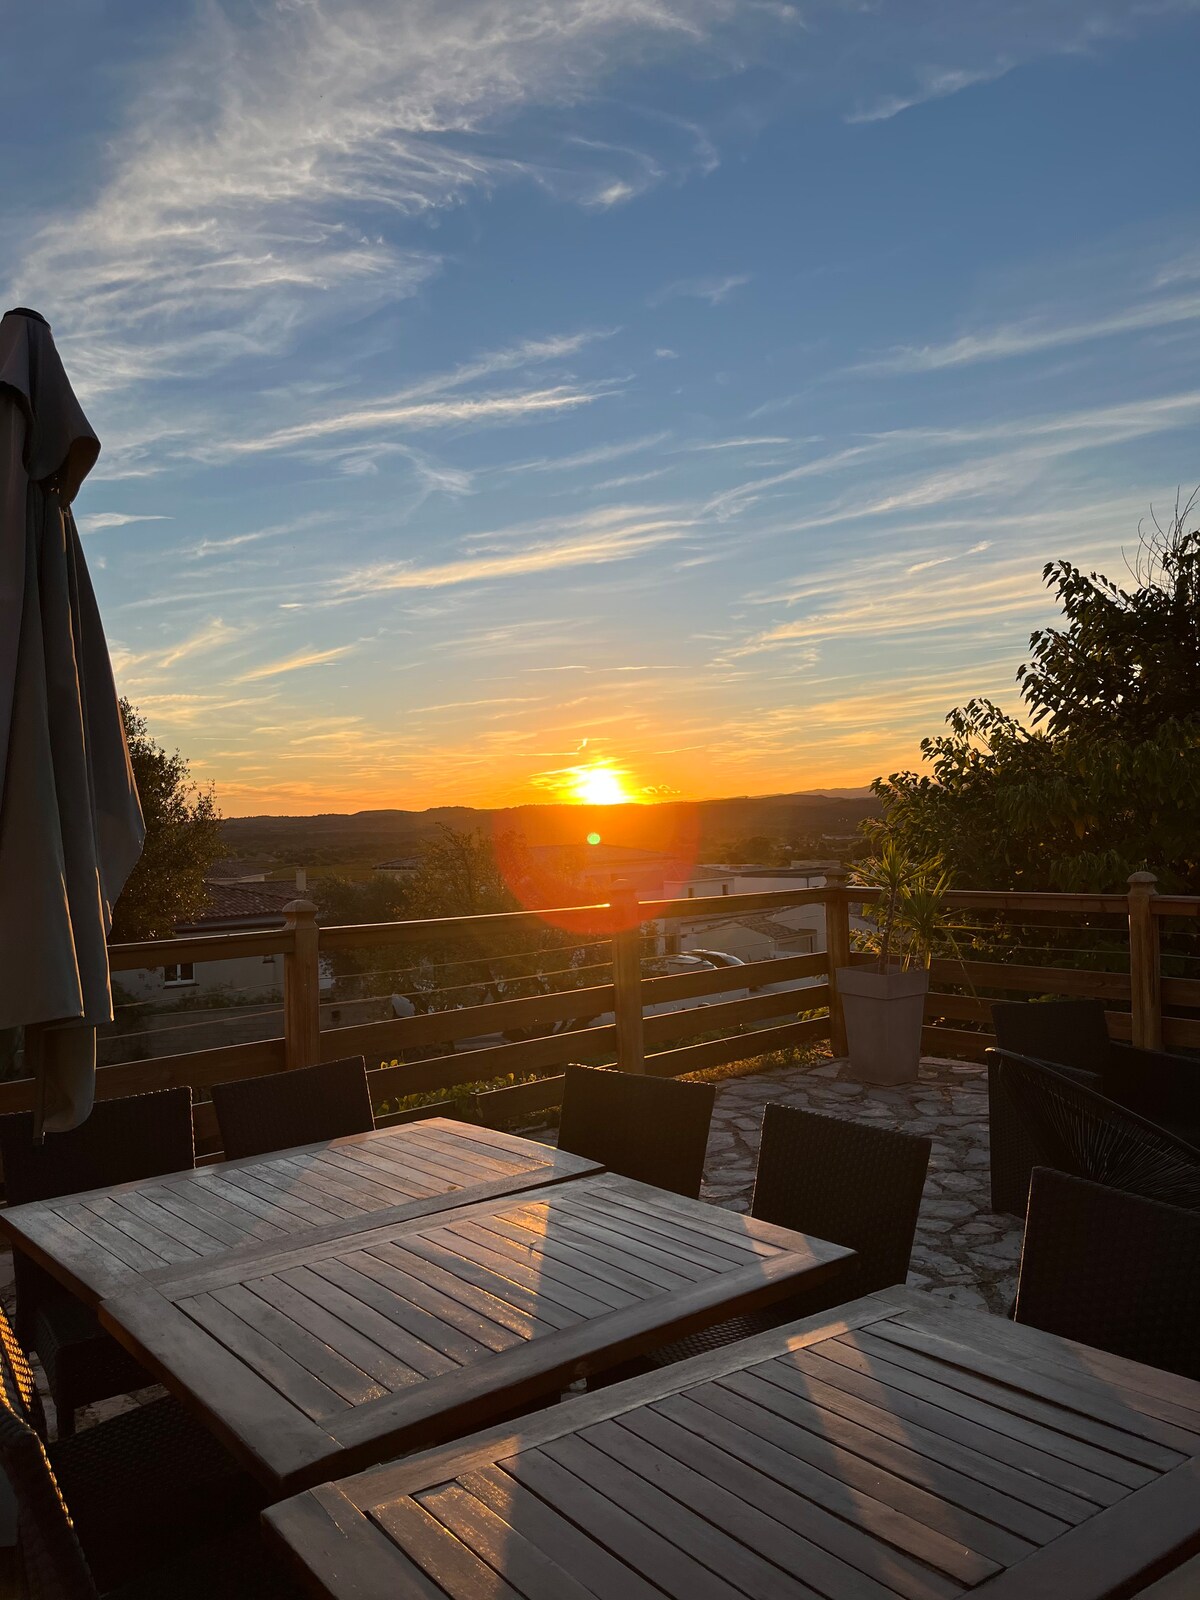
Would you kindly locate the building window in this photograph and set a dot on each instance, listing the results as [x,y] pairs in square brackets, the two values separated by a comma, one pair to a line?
[724,888]
[176,976]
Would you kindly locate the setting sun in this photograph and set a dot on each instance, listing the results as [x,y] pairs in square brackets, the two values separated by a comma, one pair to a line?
[599,786]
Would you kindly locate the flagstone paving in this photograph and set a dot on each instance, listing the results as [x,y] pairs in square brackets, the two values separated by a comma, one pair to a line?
[964,1253]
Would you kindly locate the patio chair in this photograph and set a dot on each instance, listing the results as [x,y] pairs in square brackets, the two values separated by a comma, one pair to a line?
[852,1184]
[651,1129]
[1077,1130]
[123,1140]
[285,1109]
[1072,1035]
[1113,1271]
[144,1490]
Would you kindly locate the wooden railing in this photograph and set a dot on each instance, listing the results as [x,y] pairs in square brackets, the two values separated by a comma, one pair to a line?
[1143,1004]
[665,1043]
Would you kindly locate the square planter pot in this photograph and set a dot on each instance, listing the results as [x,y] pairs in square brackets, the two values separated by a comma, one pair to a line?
[884,1014]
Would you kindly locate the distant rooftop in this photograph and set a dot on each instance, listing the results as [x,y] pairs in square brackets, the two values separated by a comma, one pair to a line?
[243,905]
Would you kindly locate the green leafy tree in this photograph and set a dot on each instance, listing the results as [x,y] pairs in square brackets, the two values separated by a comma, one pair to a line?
[1104,778]
[183,840]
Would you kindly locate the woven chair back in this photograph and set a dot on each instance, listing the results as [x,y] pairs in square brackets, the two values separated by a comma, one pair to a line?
[1112,1270]
[124,1139]
[843,1181]
[1073,1033]
[286,1109]
[651,1129]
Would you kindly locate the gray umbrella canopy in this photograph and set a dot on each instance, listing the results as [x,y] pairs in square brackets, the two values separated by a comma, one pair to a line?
[70,824]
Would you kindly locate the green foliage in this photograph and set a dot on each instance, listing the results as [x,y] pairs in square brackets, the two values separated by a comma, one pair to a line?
[910,918]
[183,840]
[1105,780]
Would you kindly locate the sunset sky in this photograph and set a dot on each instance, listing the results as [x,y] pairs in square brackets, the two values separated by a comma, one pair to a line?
[688,389]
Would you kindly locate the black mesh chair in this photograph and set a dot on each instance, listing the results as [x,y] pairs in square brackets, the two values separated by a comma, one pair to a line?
[1072,1035]
[1074,1129]
[1112,1270]
[843,1181]
[651,1129]
[145,1490]
[285,1109]
[123,1140]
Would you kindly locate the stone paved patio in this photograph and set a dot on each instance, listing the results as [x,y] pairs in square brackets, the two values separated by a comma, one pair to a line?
[964,1253]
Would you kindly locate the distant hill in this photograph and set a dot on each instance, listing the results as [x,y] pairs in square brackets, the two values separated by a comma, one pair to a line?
[812,822]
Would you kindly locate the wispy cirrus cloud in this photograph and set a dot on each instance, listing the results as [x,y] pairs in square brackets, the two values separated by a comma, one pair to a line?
[269,143]
[1034,336]
[714,289]
[416,415]
[598,537]
[936,84]
[294,663]
[97,521]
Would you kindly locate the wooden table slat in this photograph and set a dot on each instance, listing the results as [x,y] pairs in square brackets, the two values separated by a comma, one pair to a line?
[97,1242]
[1079,1392]
[962,1424]
[949,1396]
[393,1334]
[896,1344]
[800,1463]
[1178,1400]
[764,1419]
[1028,1506]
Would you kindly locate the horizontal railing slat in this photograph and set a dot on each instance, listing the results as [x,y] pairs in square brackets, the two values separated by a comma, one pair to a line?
[733,905]
[719,1052]
[586,920]
[200,1069]
[150,953]
[466,1022]
[568,1005]
[754,974]
[1034,980]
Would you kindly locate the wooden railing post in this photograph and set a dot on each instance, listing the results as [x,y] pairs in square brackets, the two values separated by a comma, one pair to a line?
[627,979]
[301,987]
[1144,980]
[837,945]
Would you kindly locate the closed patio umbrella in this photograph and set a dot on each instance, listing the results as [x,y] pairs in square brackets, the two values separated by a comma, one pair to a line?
[70,824]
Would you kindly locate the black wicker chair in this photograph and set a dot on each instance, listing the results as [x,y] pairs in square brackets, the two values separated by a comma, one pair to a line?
[1112,1270]
[843,1181]
[145,1490]
[1076,1130]
[285,1109]
[123,1140]
[651,1129]
[1073,1036]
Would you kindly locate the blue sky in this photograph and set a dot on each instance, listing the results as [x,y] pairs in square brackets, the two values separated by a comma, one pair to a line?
[488,390]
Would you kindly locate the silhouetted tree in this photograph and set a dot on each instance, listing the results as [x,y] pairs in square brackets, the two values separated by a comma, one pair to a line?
[183,840]
[1105,778]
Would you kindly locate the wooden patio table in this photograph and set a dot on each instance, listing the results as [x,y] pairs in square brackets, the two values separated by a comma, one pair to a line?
[102,1241]
[314,1356]
[895,1447]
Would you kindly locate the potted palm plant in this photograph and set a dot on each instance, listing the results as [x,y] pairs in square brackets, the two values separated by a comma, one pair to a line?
[884,1002]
